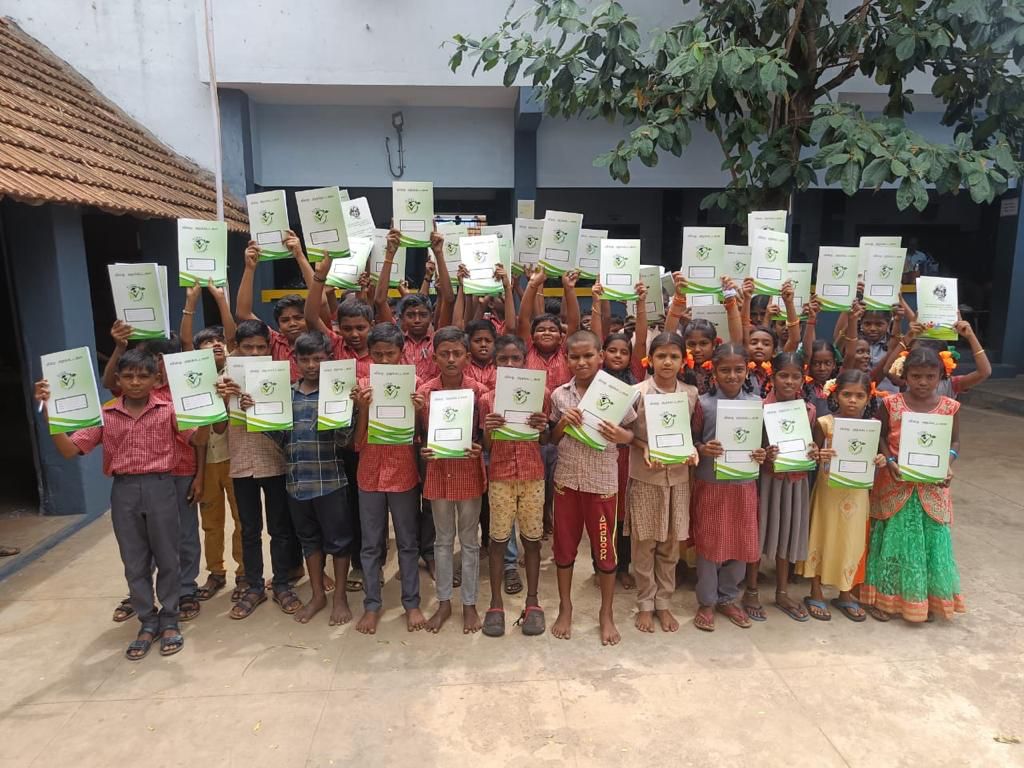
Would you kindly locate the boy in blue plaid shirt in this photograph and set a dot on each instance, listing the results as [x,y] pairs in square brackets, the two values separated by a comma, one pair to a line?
[316,483]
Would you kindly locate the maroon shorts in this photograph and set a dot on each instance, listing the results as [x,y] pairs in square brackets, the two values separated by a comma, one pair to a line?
[573,511]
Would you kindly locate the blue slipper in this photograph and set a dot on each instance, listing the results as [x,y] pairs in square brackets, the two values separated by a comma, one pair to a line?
[817,605]
[848,607]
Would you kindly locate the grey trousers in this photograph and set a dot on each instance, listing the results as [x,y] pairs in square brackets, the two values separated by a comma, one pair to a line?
[189,548]
[144,514]
[373,518]
[465,516]
[719,582]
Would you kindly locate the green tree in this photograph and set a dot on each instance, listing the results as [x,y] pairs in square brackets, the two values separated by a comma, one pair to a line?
[764,78]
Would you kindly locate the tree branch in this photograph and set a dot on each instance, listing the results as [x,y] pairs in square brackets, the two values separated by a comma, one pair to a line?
[791,35]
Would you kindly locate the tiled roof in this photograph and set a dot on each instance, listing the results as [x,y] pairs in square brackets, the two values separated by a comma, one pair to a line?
[62,141]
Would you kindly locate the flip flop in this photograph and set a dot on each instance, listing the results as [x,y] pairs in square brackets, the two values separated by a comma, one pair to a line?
[755,612]
[876,613]
[817,605]
[704,623]
[494,622]
[847,607]
[354,583]
[795,613]
[735,614]
[513,583]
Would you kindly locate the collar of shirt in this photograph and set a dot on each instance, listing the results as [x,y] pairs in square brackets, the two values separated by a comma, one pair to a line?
[118,405]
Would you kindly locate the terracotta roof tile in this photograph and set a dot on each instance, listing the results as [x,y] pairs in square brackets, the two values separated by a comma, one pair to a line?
[62,141]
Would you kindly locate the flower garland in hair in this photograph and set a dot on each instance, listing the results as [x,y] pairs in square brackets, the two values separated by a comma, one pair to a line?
[689,360]
[948,361]
[766,367]
[829,388]
[896,369]
[706,365]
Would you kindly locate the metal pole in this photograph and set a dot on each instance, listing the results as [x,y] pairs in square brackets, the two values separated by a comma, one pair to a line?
[218,173]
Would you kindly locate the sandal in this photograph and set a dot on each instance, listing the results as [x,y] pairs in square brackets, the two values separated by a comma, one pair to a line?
[355,581]
[287,599]
[188,608]
[240,589]
[513,583]
[171,644]
[795,611]
[850,609]
[243,608]
[877,613]
[9,551]
[755,612]
[705,619]
[215,582]
[494,622]
[124,611]
[735,614]
[532,621]
[139,648]
[817,609]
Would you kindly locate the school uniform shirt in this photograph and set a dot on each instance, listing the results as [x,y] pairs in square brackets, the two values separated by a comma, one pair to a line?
[386,468]
[579,467]
[280,349]
[556,364]
[134,445]
[879,349]
[185,464]
[484,375]
[667,475]
[512,459]
[453,479]
[254,454]
[421,354]
[314,467]
[341,351]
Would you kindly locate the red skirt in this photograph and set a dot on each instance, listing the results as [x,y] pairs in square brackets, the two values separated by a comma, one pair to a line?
[724,521]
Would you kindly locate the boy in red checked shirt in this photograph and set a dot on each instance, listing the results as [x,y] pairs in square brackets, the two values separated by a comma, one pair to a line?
[454,487]
[288,311]
[138,437]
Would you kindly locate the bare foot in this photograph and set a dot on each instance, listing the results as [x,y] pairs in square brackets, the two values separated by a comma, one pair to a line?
[668,621]
[328,583]
[316,604]
[625,578]
[340,613]
[415,620]
[562,628]
[470,619]
[644,621]
[368,623]
[609,634]
[441,615]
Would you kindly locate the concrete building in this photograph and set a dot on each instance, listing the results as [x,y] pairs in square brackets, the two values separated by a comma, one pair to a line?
[307,96]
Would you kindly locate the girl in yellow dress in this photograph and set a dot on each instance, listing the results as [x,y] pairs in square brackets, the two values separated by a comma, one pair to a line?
[838,515]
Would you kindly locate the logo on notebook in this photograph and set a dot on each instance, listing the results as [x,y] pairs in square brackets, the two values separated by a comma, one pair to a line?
[412,205]
[939,292]
[787,425]
[194,378]
[619,262]
[531,241]
[855,446]
[200,244]
[740,434]
[338,386]
[740,267]
[925,439]
[448,415]
[266,217]
[886,270]
[668,419]
[838,270]
[604,403]
[67,379]
[591,248]
[320,215]
[391,391]
[771,254]
[560,235]
[136,292]
[703,252]
[451,247]
[267,387]
[480,256]
[519,396]
[354,212]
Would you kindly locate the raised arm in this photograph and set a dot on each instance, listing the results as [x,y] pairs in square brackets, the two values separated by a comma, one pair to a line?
[315,297]
[640,343]
[676,311]
[220,298]
[570,302]
[792,318]
[380,296]
[429,272]
[748,297]
[529,296]
[597,324]
[294,246]
[810,327]
[510,301]
[732,311]
[243,302]
[192,294]
[984,367]
[119,332]
[459,310]
[445,292]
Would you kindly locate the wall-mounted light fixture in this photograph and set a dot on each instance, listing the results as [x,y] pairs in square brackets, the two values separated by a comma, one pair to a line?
[397,121]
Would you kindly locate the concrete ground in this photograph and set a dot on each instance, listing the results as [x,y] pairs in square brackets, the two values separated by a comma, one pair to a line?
[269,692]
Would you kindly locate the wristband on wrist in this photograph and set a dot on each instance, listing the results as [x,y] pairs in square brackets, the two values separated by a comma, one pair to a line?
[954,453]
[729,293]
[187,312]
[890,460]
[319,279]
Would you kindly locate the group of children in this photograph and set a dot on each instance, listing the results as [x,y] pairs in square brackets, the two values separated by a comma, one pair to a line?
[886,551]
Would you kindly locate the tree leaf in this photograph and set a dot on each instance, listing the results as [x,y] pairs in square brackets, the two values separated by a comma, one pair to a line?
[905,50]
[780,175]
[905,195]
[876,172]
[850,180]
[899,169]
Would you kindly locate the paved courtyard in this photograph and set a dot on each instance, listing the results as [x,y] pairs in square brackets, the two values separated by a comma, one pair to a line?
[269,692]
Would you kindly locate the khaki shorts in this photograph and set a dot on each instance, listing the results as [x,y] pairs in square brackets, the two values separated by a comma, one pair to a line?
[516,501]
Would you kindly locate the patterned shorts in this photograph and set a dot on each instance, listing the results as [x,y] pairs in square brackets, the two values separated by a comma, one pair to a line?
[516,501]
